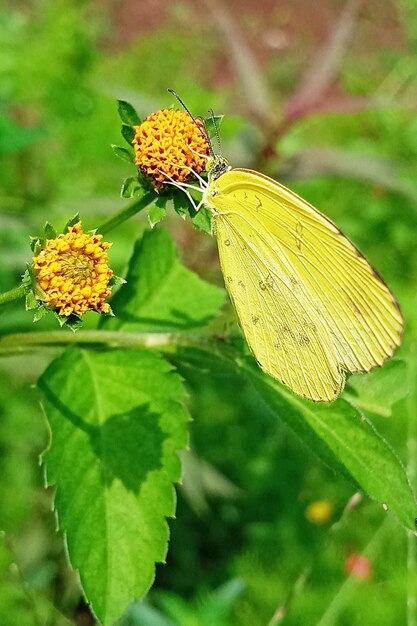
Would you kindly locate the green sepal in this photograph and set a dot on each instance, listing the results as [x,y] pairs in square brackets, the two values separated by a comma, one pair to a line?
[49,230]
[35,245]
[116,280]
[40,312]
[123,153]
[73,322]
[71,222]
[127,113]
[128,133]
[131,187]
[30,286]
[31,301]
[61,319]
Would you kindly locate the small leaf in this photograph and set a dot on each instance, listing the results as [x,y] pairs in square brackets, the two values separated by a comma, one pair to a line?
[212,125]
[123,153]
[128,133]
[161,294]
[182,204]
[156,213]
[202,220]
[117,422]
[131,187]
[127,113]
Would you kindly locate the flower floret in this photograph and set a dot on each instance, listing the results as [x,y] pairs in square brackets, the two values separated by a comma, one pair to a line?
[73,274]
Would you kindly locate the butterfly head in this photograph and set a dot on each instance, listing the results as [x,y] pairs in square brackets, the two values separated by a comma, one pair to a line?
[216,166]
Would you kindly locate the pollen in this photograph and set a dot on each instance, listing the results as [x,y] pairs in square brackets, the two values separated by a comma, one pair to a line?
[73,273]
[170,143]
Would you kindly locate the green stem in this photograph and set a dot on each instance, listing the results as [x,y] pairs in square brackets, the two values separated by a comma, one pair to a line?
[13,294]
[167,342]
[130,210]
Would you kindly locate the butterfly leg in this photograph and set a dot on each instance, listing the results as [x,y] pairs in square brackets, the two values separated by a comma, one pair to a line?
[183,188]
[203,182]
[202,156]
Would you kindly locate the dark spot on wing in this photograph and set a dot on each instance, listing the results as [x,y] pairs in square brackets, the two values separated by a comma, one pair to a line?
[299,235]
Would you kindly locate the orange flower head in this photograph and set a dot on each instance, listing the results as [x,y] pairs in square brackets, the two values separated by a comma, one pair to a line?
[73,274]
[167,140]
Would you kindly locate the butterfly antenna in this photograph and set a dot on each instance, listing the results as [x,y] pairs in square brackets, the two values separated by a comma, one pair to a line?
[201,128]
[216,128]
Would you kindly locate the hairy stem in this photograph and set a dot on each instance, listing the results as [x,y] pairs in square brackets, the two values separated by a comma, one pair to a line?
[13,294]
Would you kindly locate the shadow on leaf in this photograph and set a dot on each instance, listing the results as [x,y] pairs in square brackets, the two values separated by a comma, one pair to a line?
[128,445]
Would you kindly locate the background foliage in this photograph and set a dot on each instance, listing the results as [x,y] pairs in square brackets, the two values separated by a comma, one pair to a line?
[324,99]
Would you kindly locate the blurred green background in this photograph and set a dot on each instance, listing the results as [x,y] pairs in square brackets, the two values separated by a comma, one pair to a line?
[320,95]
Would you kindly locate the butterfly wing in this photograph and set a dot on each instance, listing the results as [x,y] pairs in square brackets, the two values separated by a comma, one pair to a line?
[310,305]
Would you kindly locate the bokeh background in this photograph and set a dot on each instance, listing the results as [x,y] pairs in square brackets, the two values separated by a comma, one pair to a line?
[321,96]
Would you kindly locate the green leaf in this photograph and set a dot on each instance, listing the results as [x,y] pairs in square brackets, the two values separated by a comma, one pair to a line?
[343,438]
[379,389]
[123,153]
[161,294]
[116,423]
[156,213]
[131,187]
[128,133]
[202,220]
[127,113]
[182,205]
[212,125]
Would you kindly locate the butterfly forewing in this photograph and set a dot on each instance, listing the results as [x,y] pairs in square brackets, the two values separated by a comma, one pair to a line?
[319,307]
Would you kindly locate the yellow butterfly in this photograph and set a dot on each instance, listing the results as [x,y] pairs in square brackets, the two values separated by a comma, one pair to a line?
[310,305]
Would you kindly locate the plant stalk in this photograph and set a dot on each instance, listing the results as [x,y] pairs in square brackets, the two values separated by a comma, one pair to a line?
[131,209]
[13,294]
